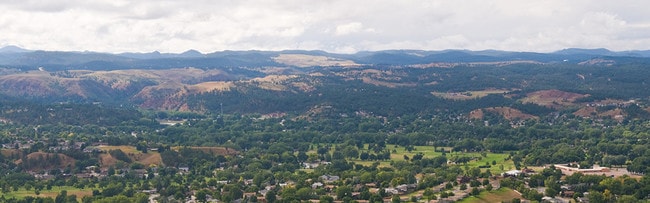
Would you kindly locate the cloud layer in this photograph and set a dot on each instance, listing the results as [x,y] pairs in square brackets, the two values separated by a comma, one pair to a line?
[330,25]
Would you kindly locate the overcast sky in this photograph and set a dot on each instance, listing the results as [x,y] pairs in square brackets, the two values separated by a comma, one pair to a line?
[343,26]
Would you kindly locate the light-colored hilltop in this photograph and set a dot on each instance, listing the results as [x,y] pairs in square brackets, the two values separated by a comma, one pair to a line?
[304,60]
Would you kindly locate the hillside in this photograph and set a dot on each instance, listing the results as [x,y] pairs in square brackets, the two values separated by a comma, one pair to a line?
[371,88]
[44,161]
[552,98]
[107,160]
[384,83]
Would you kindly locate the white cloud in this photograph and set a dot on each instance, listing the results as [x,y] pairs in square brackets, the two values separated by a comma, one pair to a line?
[334,25]
[351,28]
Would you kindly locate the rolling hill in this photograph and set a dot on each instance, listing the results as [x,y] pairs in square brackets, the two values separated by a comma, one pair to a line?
[392,82]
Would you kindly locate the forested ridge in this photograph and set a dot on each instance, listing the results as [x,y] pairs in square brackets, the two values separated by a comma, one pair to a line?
[349,93]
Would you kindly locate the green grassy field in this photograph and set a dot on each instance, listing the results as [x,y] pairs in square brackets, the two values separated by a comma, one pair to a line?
[502,194]
[498,158]
[56,190]
[397,153]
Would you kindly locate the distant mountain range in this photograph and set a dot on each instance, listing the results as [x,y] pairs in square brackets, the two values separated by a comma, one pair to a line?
[316,83]
[16,57]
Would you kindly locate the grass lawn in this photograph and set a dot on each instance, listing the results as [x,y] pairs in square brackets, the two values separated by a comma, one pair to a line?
[398,153]
[502,194]
[499,158]
[21,193]
[428,151]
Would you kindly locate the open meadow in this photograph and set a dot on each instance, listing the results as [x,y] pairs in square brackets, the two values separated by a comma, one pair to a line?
[500,195]
[56,190]
[497,162]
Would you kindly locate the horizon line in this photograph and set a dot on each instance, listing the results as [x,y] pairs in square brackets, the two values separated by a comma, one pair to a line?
[21,49]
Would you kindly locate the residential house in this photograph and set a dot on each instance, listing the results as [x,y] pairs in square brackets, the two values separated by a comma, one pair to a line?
[317,185]
[512,173]
[310,165]
[329,178]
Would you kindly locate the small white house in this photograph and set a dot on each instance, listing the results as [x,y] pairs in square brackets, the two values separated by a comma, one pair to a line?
[512,173]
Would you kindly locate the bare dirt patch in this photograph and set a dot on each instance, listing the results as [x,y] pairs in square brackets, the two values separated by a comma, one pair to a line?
[469,94]
[476,114]
[586,112]
[507,112]
[106,160]
[79,193]
[150,95]
[612,102]
[552,98]
[11,152]
[592,112]
[147,159]
[616,114]
[615,172]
